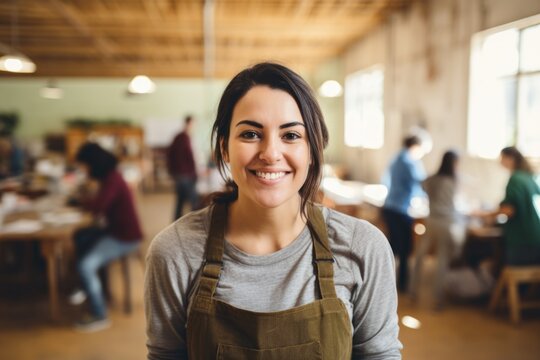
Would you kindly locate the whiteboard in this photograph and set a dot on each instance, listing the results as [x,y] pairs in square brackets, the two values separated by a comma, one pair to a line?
[159,132]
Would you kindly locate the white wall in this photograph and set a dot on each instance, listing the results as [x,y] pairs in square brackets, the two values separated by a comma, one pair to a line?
[425,52]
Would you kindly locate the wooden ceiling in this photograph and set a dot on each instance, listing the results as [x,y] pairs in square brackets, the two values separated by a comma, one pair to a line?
[181,38]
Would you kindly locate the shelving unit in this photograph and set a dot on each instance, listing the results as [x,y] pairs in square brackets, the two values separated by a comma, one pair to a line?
[126,142]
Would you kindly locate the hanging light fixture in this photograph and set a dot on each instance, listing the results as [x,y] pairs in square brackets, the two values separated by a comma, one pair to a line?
[330,88]
[141,84]
[51,91]
[14,61]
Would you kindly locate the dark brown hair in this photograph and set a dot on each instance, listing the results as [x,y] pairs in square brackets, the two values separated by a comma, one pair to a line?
[279,77]
[411,140]
[99,161]
[448,164]
[520,163]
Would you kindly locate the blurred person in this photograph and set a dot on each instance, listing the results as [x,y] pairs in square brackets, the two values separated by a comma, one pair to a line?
[521,206]
[264,272]
[181,166]
[12,159]
[121,234]
[445,226]
[404,177]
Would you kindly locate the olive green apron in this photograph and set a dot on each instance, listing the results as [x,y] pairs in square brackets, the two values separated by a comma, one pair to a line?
[318,330]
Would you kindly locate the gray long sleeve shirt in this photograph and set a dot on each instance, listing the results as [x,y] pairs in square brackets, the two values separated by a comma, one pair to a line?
[363,275]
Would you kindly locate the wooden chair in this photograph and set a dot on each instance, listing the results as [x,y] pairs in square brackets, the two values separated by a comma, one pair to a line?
[510,278]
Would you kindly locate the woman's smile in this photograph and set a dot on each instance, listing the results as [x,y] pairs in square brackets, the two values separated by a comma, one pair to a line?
[274,175]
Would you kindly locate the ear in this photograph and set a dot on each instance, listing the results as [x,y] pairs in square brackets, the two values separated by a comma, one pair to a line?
[224,151]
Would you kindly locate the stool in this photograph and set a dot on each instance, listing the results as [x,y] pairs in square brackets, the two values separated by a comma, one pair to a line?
[510,278]
[126,278]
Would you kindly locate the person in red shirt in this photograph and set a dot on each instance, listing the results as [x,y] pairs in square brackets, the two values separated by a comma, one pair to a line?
[181,166]
[121,234]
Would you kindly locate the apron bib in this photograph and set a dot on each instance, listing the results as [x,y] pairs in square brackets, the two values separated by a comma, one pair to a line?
[318,330]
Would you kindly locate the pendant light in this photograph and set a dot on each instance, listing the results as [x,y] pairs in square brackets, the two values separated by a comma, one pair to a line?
[141,84]
[51,91]
[331,89]
[14,61]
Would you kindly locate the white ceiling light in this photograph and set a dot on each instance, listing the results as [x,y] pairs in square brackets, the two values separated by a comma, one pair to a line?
[14,61]
[330,88]
[141,84]
[17,64]
[51,91]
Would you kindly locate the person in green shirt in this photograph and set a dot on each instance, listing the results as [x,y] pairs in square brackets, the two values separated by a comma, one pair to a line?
[521,205]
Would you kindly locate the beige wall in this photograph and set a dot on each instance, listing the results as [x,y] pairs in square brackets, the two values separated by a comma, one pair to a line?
[332,108]
[425,53]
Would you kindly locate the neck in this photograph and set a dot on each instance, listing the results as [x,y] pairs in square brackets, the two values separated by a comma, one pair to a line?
[259,231]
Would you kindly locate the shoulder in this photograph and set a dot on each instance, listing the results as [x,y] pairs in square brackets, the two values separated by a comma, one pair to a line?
[400,158]
[114,178]
[178,137]
[182,241]
[517,179]
[361,237]
[440,180]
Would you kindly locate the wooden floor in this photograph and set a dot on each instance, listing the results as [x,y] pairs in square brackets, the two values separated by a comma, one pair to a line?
[461,331]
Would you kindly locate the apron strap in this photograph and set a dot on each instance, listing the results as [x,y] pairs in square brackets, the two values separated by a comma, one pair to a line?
[322,254]
[213,263]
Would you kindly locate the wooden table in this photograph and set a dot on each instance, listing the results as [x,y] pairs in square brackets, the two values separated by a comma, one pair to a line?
[52,240]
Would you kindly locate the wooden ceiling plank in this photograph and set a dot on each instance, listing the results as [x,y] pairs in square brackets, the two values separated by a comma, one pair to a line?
[75,19]
[152,11]
[303,8]
[166,35]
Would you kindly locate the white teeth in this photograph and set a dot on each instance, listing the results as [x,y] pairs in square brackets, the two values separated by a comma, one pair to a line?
[270,175]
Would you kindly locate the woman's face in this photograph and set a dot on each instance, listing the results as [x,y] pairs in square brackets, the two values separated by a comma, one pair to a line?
[84,168]
[507,162]
[456,165]
[268,151]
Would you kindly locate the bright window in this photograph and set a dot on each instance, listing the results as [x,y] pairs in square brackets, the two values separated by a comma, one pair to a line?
[364,116]
[504,104]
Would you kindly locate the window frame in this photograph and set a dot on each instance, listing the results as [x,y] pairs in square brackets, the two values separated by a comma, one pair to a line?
[477,42]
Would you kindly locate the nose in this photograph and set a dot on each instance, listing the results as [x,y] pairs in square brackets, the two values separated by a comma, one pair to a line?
[270,150]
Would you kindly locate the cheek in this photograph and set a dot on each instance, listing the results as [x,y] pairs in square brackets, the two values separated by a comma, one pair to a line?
[301,160]
[238,157]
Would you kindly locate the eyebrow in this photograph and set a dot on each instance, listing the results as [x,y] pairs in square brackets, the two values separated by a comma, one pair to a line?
[260,126]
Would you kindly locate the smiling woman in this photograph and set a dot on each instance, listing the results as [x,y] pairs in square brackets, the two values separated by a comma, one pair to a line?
[264,272]
[268,156]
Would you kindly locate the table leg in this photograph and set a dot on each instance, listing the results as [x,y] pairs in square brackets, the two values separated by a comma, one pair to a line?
[50,251]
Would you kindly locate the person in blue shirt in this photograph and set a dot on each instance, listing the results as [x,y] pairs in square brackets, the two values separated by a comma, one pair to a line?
[404,177]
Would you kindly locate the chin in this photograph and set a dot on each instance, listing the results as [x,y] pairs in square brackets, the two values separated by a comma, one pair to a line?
[272,202]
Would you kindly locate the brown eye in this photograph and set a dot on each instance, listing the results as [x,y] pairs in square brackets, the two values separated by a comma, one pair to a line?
[291,136]
[249,135]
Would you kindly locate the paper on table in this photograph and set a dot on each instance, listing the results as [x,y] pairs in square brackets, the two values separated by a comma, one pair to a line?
[22,226]
[70,217]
